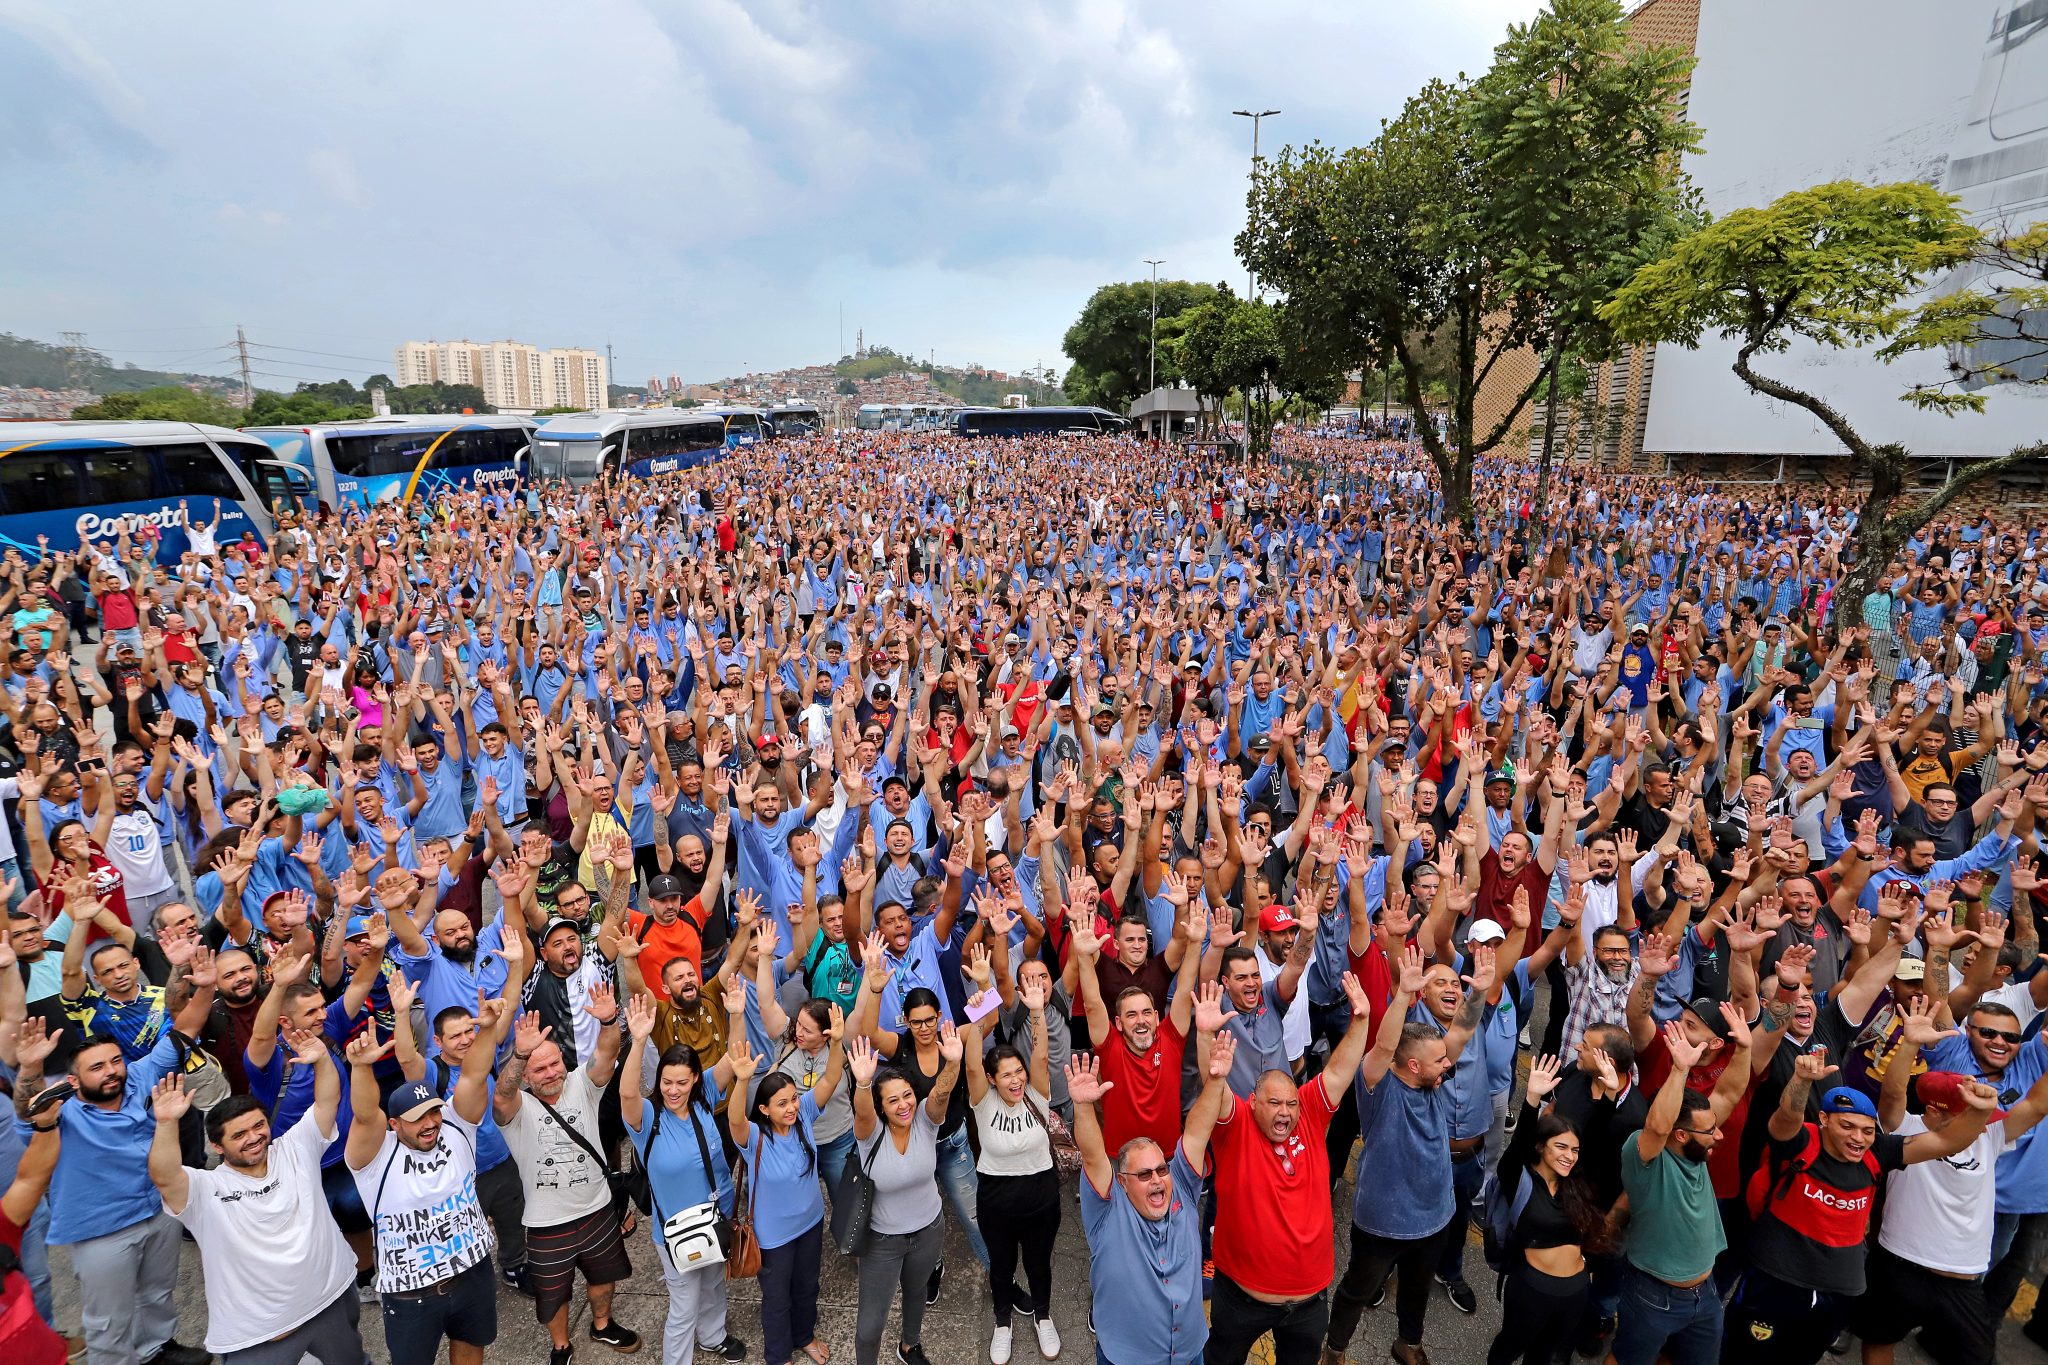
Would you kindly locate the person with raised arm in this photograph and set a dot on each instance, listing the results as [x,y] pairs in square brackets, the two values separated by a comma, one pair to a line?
[896,1140]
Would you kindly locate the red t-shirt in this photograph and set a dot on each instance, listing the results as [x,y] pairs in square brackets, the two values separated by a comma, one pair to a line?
[107,880]
[25,1339]
[117,609]
[1376,975]
[1497,893]
[1274,1231]
[1146,1099]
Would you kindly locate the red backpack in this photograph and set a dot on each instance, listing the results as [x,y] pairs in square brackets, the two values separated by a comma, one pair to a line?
[1810,1206]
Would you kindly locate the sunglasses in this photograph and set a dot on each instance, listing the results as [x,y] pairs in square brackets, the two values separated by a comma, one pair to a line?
[1159,1172]
[1987,1034]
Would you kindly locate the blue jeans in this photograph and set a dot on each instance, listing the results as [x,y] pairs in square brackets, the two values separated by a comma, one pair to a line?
[1466,1178]
[35,1262]
[832,1159]
[1661,1319]
[958,1182]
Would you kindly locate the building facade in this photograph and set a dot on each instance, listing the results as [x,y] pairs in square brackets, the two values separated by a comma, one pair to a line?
[514,375]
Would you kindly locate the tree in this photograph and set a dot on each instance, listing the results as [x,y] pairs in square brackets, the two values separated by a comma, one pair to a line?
[169,403]
[1111,342]
[846,388]
[1580,134]
[438,397]
[1829,265]
[300,408]
[1994,327]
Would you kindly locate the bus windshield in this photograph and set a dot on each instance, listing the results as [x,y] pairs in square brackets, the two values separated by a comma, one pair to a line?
[556,459]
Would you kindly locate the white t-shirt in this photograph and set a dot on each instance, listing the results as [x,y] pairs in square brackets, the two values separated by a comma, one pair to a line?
[429,1226]
[249,1229]
[135,845]
[1012,1141]
[202,538]
[2017,996]
[562,1182]
[1294,1019]
[1938,1213]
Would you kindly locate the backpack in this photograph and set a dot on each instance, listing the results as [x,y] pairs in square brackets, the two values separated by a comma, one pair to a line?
[1502,1211]
[1831,1229]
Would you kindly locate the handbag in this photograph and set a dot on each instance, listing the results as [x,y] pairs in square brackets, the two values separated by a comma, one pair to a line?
[853,1201]
[627,1187]
[743,1257]
[699,1235]
[1066,1153]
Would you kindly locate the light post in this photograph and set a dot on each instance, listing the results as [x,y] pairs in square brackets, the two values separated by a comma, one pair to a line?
[1153,373]
[1251,285]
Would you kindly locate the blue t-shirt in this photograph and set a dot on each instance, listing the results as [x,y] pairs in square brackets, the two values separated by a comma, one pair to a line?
[101,1183]
[788,1201]
[1408,1132]
[668,1149]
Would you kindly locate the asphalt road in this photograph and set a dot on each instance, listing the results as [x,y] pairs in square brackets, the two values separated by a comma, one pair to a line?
[956,1330]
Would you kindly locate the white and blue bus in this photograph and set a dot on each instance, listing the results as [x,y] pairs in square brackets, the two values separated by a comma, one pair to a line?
[743,426]
[633,442]
[885,416]
[85,482]
[793,419]
[392,459]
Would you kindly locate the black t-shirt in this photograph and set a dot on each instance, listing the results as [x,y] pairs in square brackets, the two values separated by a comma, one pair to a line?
[1831,1198]
[1603,1126]
[1832,1029]
[1951,836]
[923,1082]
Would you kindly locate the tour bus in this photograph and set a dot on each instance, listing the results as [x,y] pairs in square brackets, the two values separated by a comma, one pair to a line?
[884,416]
[376,460]
[793,419]
[743,426]
[636,442]
[1037,422]
[84,482]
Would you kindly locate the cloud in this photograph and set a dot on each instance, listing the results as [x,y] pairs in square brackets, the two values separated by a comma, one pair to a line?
[703,182]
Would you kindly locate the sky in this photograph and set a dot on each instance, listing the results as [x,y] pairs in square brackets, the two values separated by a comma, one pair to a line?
[704,184]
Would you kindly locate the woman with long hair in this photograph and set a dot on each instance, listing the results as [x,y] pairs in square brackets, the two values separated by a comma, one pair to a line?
[896,1136]
[1544,1287]
[806,1053]
[1017,1201]
[679,1147]
[776,1141]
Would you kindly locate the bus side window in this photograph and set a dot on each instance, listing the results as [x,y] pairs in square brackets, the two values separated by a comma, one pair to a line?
[194,472]
[118,475]
[40,481]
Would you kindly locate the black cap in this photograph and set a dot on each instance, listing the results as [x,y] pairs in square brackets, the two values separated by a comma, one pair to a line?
[1709,1012]
[667,884]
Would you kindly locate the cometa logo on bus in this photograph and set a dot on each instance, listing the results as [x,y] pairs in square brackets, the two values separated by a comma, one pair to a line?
[91,524]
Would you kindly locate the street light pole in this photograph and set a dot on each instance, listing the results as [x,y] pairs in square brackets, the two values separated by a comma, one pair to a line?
[1251,285]
[1153,374]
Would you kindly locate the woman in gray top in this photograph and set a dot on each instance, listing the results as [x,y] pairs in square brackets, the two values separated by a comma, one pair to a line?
[803,1058]
[896,1139]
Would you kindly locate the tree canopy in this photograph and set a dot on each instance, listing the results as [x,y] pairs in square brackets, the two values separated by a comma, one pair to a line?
[166,403]
[1110,343]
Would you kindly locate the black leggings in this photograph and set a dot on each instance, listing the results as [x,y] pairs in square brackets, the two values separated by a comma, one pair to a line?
[1373,1258]
[1539,1314]
[1019,1217]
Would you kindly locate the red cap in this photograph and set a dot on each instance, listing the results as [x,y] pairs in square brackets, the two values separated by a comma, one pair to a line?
[1944,1090]
[1277,919]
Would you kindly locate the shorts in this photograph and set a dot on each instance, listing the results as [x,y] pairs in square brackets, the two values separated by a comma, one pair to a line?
[1899,1296]
[344,1200]
[591,1244]
[463,1307]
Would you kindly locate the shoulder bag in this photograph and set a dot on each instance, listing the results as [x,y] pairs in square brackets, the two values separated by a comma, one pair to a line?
[853,1200]
[743,1257]
[699,1235]
[629,1188]
[1066,1153]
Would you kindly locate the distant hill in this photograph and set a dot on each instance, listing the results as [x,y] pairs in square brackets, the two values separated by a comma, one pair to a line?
[39,365]
[975,388]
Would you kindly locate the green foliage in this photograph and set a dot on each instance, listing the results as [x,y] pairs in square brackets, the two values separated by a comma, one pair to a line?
[419,398]
[1111,342]
[166,403]
[556,412]
[879,360]
[1995,330]
[39,365]
[1830,264]
[846,388]
[298,409]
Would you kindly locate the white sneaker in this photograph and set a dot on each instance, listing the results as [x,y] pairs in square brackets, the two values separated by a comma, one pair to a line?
[1048,1339]
[999,1346]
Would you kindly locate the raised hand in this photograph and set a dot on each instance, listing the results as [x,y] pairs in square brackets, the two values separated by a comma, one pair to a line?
[1919,1026]
[744,1062]
[364,1049]
[1210,1015]
[1812,1067]
[1221,1055]
[1543,1078]
[1684,1055]
[640,1015]
[168,1101]
[1413,972]
[863,1061]
[528,1034]
[952,1047]
[1084,1079]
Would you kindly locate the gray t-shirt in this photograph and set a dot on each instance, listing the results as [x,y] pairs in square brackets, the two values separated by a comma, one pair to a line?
[835,1116]
[1014,1028]
[906,1187]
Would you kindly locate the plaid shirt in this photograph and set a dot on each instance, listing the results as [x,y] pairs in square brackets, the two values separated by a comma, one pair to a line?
[1596,998]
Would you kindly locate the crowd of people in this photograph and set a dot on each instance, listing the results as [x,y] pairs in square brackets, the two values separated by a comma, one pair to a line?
[873,830]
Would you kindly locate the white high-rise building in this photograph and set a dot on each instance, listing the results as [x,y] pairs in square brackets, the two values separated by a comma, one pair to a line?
[514,375]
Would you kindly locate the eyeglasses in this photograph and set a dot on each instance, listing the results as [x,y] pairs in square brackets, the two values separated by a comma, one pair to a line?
[1159,1172]
[932,1022]
[1987,1034]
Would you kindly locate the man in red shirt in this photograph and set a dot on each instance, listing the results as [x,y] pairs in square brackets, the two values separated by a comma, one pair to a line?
[1143,1060]
[1275,1237]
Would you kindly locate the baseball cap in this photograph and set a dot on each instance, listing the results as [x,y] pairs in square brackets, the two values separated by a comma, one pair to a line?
[1277,919]
[1500,775]
[1708,1011]
[1843,1100]
[667,884]
[411,1101]
[1944,1090]
[1103,708]
[1485,931]
[559,922]
[1910,969]
[358,926]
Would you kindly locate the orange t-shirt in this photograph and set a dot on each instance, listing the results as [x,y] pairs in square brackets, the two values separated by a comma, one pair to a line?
[664,943]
